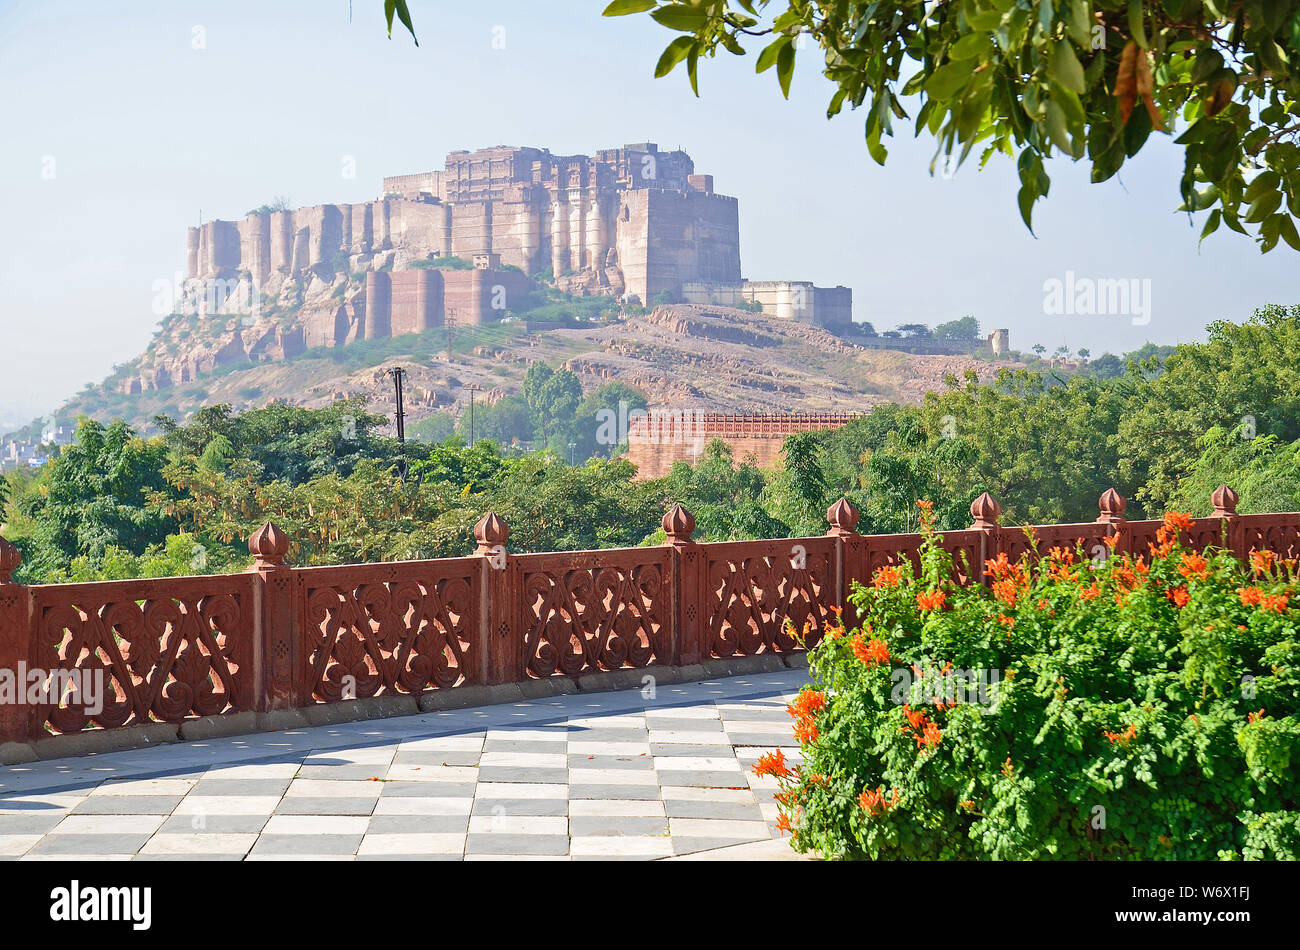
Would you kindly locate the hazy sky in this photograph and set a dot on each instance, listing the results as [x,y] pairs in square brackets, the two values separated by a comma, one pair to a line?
[119,133]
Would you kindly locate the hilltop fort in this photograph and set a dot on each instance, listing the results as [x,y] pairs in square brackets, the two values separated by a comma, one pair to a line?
[634,223]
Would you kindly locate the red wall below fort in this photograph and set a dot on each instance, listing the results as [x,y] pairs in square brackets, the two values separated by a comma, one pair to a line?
[655,443]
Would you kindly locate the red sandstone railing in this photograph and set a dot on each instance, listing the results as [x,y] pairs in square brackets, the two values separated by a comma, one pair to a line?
[277,637]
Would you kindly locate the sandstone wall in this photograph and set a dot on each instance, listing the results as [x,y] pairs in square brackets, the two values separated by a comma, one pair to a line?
[666,437]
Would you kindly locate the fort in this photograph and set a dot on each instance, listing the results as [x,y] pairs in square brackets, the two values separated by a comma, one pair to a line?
[636,223]
[658,438]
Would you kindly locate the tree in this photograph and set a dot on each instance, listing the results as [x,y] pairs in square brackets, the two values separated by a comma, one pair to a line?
[1038,77]
[914,331]
[967,328]
[96,497]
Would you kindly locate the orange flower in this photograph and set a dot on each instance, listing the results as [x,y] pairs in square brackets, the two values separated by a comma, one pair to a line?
[771,763]
[1262,561]
[1177,520]
[805,730]
[1274,603]
[873,801]
[870,654]
[1111,540]
[917,719]
[1194,566]
[1006,621]
[1178,595]
[1091,592]
[934,600]
[1252,717]
[783,824]
[887,576]
[1007,768]
[1250,596]
[930,737]
[1121,737]
[807,703]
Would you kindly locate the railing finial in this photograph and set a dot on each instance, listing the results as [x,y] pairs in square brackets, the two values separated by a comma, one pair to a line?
[10,558]
[269,545]
[678,525]
[986,511]
[1112,505]
[1224,500]
[491,533]
[843,516]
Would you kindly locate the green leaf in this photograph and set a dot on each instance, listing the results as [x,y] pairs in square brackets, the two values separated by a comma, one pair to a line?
[1135,24]
[1080,22]
[785,68]
[874,148]
[947,80]
[1286,226]
[767,58]
[676,51]
[969,46]
[683,19]
[1211,225]
[624,7]
[1066,68]
[1056,128]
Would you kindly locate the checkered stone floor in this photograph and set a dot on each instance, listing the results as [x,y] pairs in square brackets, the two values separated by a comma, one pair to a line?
[592,776]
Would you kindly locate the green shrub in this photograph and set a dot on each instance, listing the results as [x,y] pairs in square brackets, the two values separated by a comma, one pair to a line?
[1137,708]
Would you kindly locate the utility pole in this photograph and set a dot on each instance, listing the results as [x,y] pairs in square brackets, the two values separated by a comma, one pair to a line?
[472,388]
[572,446]
[398,373]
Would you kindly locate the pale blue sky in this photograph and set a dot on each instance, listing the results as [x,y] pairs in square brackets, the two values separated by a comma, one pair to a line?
[144,131]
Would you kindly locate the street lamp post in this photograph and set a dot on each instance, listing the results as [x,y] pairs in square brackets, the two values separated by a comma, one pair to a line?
[572,446]
[472,388]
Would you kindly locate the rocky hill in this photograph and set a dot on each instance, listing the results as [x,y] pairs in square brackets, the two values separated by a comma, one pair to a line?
[707,358]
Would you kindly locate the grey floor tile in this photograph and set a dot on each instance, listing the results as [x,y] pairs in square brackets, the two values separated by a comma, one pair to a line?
[622,792]
[35,824]
[325,805]
[426,789]
[252,787]
[344,773]
[409,857]
[307,844]
[516,844]
[683,808]
[212,824]
[188,857]
[533,807]
[691,845]
[418,824]
[125,805]
[437,758]
[579,734]
[679,749]
[583,825]
[89,844]
[537,746]
[613,762]
[702,778]
[511,773]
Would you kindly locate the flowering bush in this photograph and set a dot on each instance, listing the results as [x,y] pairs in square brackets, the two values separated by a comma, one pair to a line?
[1140,707]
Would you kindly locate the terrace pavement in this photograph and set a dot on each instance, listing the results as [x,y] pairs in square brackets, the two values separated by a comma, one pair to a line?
[609,775]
